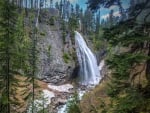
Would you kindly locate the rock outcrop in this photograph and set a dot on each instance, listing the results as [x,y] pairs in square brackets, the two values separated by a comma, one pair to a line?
[51,65]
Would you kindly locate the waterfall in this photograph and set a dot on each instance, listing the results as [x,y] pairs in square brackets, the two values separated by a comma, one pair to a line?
[89,73]
[89,70]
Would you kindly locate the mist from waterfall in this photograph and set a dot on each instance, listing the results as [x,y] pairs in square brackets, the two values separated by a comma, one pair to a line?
[89,73]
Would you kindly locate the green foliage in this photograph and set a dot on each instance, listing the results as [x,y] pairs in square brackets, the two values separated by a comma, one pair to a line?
[63,28]
[66,57]
[39,106]
[15,49]
[22,45]
[52,21]
[43,111]
[8,18]
[126,98]
[49,47]
[49,51]
[130,102]
[42,105]
[103,107]
[98,44]
[73,23]
[42,34]
[64,36]
[73,104]
[125,34]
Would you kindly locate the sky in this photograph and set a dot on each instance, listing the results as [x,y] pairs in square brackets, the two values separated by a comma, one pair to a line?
[104,11]
[82,3]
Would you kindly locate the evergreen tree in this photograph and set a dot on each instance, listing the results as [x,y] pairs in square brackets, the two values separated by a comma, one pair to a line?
[14,44]
[57,6]
[111,18]
[72,10]
[96,4]
[97,22]
[77,10]
[51,3]
[7,40]
[88,21]
[61,8]
[33,54]
[132,3]
[125,95]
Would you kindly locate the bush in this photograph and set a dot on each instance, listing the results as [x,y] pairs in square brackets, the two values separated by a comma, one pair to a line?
[48,50]
[66,57]
[51,21]
[73,104]
[42,34]
[64,36]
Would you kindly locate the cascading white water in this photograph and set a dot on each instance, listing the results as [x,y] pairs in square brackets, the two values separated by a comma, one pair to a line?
[89,72]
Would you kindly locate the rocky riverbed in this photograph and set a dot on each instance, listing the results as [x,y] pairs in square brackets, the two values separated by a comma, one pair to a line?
[52,98]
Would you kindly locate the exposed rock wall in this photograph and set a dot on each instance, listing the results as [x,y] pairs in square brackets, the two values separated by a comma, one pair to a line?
[51,65]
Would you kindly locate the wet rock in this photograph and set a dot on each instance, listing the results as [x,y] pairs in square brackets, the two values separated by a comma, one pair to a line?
[75,72]
[59,102]
[62,88]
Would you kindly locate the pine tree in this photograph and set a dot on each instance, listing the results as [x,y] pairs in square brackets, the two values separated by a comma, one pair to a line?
[77,7]
[97,22]
[51,3]
[7,30]
[57,5]
[88,21]
[111,18]
[127,96]
[33,54]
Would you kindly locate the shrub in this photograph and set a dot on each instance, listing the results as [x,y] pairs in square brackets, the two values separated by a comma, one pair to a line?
[51,21]
[42,34]
[73,104]
[66,57]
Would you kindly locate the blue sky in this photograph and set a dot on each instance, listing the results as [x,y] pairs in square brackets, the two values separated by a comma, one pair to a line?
[104,11]
[82,3]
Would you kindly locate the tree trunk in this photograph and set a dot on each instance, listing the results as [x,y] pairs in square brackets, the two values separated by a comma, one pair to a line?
[148,66]
[8,67]
[26,7]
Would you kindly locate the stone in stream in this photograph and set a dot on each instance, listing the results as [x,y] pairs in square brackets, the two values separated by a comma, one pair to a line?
[60,101]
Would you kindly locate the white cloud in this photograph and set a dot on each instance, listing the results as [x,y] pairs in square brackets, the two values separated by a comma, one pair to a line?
[116,14]
[73,1]
[113,7]
[107,15]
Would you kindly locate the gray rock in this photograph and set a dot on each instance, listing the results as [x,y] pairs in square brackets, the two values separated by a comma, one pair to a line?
[50,62]
[59,102]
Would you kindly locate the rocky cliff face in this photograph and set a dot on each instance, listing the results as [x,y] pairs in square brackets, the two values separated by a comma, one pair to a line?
[51,65]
